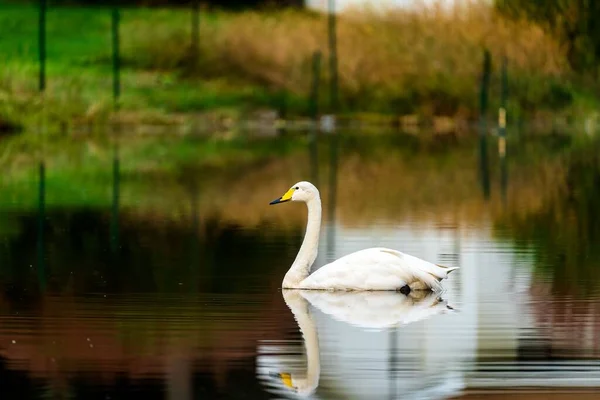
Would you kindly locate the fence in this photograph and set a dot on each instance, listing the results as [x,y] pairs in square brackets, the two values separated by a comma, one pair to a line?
[313,101]
[195,13]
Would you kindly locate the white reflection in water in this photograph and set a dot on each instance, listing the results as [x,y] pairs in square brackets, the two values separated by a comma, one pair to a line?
[368,313]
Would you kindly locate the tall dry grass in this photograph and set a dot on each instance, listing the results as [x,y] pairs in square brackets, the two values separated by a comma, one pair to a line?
[426,59]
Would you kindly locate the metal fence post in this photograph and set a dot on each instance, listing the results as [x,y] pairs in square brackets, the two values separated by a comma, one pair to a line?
[195,31]
[116,56]
[333,62]
[42,44]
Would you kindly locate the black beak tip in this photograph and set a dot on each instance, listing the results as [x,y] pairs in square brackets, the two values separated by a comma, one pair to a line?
[276,201]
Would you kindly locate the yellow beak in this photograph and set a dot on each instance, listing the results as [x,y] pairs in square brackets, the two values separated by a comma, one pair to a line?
[286,379]
[286,197]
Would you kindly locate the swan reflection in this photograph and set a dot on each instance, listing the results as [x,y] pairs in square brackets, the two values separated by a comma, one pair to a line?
[284,372]
[377,310]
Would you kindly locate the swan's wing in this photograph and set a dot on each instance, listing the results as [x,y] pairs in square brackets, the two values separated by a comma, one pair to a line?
[371,269]
[415,262]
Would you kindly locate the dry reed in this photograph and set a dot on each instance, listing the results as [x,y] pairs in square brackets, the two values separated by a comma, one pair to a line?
[426,59]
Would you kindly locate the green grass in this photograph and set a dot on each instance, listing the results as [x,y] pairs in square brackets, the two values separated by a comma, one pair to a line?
[397,64]
[79,69]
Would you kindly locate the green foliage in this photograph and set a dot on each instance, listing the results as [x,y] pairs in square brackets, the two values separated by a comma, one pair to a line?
[256,60]
[79,69]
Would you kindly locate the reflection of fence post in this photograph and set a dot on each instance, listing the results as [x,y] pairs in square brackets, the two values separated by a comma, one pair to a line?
[333,64]
[502,131]
[116,57]
[502,110]
[195,263]
[484,91]
[195,31]
[114,221]
[503,178]
[393,362]
[314,93]
[314,115]
[41,264]
[483,102]
[334,142]
[41,261]
[42,45]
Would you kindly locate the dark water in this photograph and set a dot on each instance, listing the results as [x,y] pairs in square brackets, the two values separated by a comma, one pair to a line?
[169,289]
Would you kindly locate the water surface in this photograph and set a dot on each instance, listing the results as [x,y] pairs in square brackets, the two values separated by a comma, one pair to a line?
[129,283]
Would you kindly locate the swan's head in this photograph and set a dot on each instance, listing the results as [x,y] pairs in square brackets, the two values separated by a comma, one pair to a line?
[301,191]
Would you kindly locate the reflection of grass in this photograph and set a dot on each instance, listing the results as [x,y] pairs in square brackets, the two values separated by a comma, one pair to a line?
[379,177]
[565,229]
[79,173]
[388,178]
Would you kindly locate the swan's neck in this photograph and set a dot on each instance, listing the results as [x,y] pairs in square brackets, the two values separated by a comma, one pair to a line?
[300,269]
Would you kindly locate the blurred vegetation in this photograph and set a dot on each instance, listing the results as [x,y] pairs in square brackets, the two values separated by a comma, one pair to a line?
[424,61]
[565,230]
[224,4]
[573,23]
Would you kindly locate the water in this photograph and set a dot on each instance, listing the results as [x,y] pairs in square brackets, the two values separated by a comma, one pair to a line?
[165,284]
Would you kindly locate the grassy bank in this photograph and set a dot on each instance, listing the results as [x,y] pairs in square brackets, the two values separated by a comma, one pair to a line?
[426,62]
[79,70]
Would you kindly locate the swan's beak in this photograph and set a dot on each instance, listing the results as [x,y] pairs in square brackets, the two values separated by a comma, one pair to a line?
[286,379]
[286,197]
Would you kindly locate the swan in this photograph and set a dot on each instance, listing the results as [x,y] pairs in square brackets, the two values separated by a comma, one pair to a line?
[376,268]
[364,310]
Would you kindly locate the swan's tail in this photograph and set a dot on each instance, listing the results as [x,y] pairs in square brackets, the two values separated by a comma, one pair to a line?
[448,269]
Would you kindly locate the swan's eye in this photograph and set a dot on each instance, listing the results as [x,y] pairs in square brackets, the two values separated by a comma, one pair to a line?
[296,188]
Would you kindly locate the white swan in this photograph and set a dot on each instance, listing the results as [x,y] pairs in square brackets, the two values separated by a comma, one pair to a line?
[370,269]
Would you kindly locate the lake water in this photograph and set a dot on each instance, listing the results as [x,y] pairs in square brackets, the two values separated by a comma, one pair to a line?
[121,284]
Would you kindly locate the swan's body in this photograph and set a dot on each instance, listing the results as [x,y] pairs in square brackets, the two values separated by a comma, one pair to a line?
[369,269]
[376,269]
